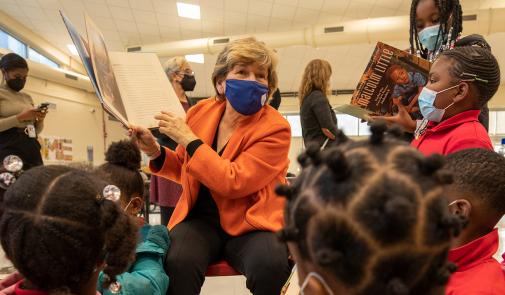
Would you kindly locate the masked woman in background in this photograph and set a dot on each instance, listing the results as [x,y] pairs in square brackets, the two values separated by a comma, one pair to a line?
[20,121]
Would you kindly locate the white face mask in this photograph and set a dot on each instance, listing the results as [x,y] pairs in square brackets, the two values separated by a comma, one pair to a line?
[317,277]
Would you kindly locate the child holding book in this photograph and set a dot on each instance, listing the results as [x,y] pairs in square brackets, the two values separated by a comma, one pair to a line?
[477,196]
[436,26]
[461,82]
[146,275]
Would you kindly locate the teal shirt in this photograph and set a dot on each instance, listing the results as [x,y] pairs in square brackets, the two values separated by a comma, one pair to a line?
[146,276]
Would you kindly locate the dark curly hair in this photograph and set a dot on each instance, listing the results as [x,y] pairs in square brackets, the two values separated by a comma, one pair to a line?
[481,174]
[56,227]
[372,215]
[122,168]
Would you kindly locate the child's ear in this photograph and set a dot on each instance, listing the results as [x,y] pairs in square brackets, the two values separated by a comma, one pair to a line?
[463,91]
[134,206]
[137,205]
[461,207]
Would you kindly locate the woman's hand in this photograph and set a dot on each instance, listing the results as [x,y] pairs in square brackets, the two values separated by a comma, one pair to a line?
[27,115]
[402,118]
[146,142]
[40,116]
[175,128]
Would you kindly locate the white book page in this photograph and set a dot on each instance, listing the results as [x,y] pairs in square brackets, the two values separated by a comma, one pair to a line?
[144,87]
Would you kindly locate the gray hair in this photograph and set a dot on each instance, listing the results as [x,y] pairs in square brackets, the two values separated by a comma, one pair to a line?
[174,65]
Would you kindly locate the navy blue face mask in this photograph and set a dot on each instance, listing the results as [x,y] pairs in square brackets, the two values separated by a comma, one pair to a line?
[245,96]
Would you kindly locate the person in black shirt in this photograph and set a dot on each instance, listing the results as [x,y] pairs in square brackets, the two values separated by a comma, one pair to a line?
[319,122]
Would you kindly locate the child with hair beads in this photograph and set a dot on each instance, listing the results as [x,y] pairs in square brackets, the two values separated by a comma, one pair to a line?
[476,195]
[435,27]
[369,217]
[60,229]
[146,275]
[461,82]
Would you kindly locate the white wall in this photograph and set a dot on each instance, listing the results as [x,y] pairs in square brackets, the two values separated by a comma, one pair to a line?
[74,119]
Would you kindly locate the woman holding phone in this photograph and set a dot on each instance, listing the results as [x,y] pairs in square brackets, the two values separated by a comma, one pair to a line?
[20,120]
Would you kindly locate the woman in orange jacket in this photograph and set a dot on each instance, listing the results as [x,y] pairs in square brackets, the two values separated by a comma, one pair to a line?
[232,152]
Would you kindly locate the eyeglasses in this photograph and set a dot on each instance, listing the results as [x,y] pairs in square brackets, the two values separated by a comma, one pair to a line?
[11,170]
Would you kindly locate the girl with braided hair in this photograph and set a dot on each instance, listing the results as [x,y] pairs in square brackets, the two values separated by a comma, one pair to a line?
[60,230]
[436,26]
[460,83]
[370,217]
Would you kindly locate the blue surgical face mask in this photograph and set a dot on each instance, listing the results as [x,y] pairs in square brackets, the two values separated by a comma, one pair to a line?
[245,96]
[428,37]
[427,107]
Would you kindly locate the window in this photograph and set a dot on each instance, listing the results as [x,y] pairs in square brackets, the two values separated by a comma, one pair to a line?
[497,123]
[348,124]
[13,44]
[35,56]
[500,122]
[364,129]
[351,126]
[492,122]
[296,125]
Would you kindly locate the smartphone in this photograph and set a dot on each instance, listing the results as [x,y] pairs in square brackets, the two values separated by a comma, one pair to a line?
[43,106]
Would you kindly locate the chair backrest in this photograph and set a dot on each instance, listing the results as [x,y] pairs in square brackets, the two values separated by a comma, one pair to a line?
[221,269]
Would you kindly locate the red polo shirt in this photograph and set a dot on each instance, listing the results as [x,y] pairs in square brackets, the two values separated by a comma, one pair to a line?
[462,131]
[19,291]
[503,263]
[478,272]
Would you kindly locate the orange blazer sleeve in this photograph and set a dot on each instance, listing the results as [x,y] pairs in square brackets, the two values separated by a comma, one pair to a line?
[173,164]
[260,161]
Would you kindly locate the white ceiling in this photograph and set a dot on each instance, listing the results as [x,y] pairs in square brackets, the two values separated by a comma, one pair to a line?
[137,22]
[133,22]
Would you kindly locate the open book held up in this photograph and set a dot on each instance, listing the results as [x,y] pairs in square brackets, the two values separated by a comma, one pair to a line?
[392,75]
[131,87]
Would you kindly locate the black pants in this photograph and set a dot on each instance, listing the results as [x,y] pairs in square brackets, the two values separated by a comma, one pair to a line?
[15,142]
[166,213]
[196,243]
